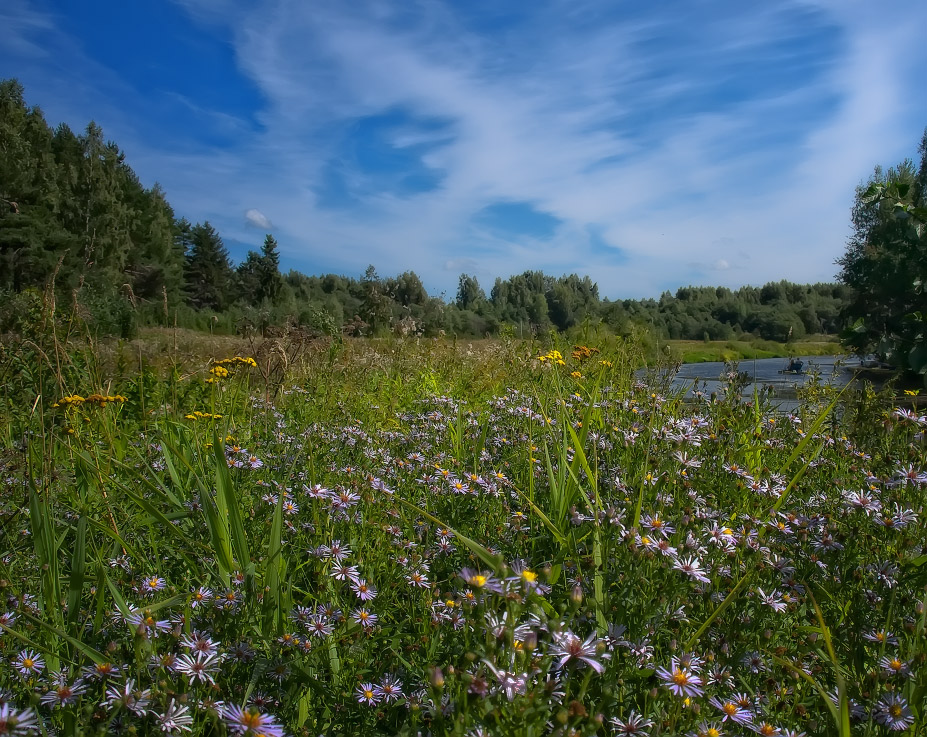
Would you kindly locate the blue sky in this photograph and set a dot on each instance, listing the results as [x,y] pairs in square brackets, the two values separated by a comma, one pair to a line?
[648,145]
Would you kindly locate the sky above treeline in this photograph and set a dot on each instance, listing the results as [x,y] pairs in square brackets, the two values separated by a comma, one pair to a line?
[647,145]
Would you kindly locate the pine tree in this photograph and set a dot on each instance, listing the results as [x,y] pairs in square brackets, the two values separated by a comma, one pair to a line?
[270,281]
[248,276]
[208,275]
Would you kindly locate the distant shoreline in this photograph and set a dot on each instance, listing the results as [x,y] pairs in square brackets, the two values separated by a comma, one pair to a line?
[698,351]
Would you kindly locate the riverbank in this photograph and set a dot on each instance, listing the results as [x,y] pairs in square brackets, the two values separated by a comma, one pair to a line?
[700,351]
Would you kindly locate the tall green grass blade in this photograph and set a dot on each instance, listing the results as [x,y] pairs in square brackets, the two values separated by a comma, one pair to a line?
[793,481]
[169,453]
[815,427]
[46,544]
[555,490]
[116,537]
[275,573]
[552,528]
[579,456]
[76,579]
[843,704]
[151,480]
[94,655]
[817,686]
[493,561]
[121,604]
[639,505]
[225,491]
[218,535]
[728,600]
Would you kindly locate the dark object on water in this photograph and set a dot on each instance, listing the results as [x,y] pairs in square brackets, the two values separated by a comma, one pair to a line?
[794,367]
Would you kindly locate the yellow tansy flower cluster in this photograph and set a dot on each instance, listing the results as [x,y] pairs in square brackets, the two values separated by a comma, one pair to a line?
[237,361]
[582,352]
[223,368]
[197,415]
[94,400]
[553,357]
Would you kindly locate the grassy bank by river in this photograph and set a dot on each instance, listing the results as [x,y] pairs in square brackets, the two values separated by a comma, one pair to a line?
[700,351]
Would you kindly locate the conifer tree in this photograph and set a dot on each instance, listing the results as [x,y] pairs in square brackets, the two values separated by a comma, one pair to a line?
[208,275]
[270,281]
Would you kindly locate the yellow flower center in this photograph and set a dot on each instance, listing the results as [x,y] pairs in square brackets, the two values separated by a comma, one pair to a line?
[680,678]
[529,576]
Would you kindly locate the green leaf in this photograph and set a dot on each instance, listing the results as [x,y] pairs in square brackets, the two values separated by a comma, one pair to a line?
[218,535]
[95,655]
[228,505]
[274,573]
[872,193]
[76,581]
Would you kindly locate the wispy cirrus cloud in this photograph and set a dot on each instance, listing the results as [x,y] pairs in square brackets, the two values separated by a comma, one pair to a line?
[647,147]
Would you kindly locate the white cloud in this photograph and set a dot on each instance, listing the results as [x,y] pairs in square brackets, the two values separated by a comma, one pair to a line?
[258,219]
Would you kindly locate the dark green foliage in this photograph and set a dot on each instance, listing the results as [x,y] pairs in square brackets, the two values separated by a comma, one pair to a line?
[70,207]
[885,265]
[209,272]
[469,293]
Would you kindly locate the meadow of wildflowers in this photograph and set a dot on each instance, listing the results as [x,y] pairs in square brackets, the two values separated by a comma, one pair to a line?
[416,539]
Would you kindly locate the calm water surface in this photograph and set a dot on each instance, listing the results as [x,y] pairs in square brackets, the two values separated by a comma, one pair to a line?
[765,372]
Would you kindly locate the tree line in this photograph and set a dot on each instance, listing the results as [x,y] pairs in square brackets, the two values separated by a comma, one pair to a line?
[74,213]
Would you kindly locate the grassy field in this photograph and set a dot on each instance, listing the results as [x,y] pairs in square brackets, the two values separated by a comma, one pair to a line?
[699,351]
[313,537]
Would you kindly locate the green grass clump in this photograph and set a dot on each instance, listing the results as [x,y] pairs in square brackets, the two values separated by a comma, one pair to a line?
[421,537]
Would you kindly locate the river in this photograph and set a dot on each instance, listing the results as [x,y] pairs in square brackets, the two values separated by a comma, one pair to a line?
[766,372]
